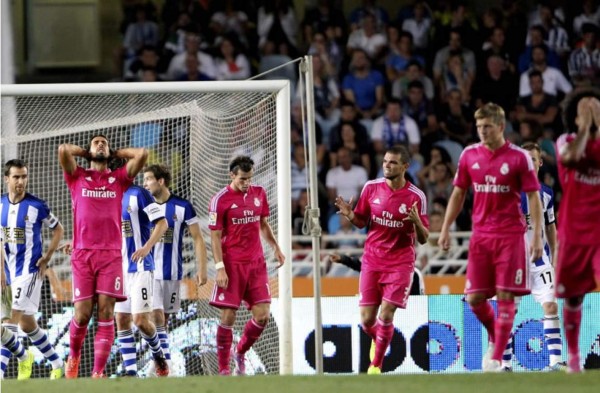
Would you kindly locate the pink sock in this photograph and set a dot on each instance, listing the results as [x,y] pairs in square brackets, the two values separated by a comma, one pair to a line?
[252,332]
[485,313]
[105,336]
[370,330]
[224,340]
[76,336]
[503,327]
[385,332]
[572,322]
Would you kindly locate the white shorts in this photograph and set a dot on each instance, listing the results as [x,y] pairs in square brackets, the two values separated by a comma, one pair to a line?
[26,293]
[138,288]
[542,285]
[166,296]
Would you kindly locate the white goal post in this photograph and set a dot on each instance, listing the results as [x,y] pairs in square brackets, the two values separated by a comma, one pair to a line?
[195,128]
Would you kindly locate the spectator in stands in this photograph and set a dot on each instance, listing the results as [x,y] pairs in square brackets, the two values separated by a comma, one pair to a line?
[230,62]
[495,46]
[584,62]
[140,33]
[461,21]
[393,128]
[341,226]
[369,7]
[230,21]
[177,65]
[130,9]
[147,58]
[368,39]
[495,84]
[554,80]
[276,23]
[414,72]
[536,38]
[437,155]
[556,37]
[299,173]
[192,71]
[363,86]
[175,37]
[298,125]
[322,17]
[397,61]
[467,67]
[358,147]
[455,118]
[149,74]
[326,47]
[416,105]
[538,106]
[345,179]
[590,13]
[419,26]
[438,182]
[456,76]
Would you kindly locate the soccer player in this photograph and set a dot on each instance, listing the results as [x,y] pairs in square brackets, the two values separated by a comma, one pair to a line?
[96,194]
[578,269]
[237,219]
[542,270]
[143,225]
[22,216]
[168,258]
[498,263]
[396,212]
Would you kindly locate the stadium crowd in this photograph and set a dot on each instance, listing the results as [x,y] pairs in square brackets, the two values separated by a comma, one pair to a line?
[414,78]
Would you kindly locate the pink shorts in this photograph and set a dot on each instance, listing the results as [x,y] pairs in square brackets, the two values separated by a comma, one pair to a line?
[578,269]
[247,281]
[498,263]
[97,272]
[393,287]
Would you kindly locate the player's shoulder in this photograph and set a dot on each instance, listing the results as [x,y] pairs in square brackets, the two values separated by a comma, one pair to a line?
[413,189]
[33,199]
[375,183]
[175,199]
[258,189]
[470,150]
[221,195]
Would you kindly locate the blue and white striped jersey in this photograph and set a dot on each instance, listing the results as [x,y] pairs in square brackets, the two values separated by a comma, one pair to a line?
[547,197]
[168,258]
[21,233]
[138,213]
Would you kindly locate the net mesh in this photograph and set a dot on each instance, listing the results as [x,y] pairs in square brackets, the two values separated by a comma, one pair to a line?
[196,134]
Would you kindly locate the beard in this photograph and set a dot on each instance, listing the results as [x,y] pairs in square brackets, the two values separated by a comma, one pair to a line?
[99,158]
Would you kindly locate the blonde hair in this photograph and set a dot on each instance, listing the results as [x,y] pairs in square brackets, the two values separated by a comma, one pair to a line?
[491,111]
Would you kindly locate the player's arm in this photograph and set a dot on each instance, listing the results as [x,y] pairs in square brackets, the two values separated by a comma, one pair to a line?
[420,229]
[136,159]
[267,234]
[455,205]
[217,249]
[2,275]
[200,251]
[551,238]
[535,210]
[67,154]
[345,209]
[57,235]
[160,227]
[571,153]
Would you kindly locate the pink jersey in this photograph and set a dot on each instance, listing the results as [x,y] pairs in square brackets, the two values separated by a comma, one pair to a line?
[390,240]
[498,178]
[96,198]
[580,203]
[238,215]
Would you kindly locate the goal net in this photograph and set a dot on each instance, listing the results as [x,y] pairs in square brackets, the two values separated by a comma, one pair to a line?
[195,129]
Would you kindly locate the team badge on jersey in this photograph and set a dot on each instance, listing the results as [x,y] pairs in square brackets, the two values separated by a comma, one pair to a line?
[256,202]
[111,180]
[402,209]
[504,169]
[212,218]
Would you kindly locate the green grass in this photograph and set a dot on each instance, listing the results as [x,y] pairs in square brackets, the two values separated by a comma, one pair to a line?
[461,383]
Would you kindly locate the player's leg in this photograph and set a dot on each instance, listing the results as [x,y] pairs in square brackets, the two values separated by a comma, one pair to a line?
[23,311]
[141,295]
[552,337]
[12,345]
[126,337]
[105,334]
[509,349]
[370,299]
[225,339]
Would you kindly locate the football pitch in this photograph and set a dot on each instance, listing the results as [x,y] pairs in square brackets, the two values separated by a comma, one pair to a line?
[461,383]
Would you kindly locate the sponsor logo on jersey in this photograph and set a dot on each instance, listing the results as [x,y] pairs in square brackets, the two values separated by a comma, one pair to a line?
[98,193]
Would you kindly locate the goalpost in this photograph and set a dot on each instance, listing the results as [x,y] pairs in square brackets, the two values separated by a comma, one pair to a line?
[195,128]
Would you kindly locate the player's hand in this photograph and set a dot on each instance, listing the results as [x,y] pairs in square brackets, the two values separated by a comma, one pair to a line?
[536,248]
[202,277]
[280,257]
[584,114]
[335,257]
[66,248]
[594,104]
[140,254]
[222,279]
[42,263]
[345,208]
[444,240]
[413,214]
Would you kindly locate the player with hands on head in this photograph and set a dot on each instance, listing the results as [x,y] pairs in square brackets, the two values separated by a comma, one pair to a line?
[22,217]
[238,216]
[96,194]
[395,211]
[498,262]
[578,259]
